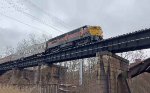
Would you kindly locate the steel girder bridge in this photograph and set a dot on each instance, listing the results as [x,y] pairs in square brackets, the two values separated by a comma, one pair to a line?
[123,43]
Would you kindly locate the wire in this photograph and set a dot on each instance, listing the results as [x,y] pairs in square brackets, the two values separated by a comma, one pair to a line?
[31,16]
[20,22]
[3,13]
[35,18]
[48,14]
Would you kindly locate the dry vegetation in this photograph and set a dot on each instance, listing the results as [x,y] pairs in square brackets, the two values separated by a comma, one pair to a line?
[91,80]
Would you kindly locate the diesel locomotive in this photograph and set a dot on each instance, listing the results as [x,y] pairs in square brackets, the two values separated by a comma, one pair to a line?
[78,37]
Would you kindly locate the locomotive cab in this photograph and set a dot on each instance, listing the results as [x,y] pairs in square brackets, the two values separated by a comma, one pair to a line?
[96,33]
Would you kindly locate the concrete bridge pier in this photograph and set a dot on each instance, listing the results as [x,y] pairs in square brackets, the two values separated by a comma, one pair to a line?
[110,66]
[15,75]
[37,74]
[104,83]
[18,76]
[123,86]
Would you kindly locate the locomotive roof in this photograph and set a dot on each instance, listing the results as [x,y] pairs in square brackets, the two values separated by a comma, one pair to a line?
[70,32]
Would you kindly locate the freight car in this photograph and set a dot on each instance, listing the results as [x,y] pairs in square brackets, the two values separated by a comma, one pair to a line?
[78,37]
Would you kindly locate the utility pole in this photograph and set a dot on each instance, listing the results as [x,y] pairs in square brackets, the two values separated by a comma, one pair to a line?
[81,72]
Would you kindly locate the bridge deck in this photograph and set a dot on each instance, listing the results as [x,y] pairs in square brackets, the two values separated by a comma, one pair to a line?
[123,43]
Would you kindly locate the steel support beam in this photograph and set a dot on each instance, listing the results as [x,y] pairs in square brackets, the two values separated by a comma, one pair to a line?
[140,68]
[128,42]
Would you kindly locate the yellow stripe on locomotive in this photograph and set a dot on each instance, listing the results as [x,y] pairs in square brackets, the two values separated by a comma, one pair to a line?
[95,31]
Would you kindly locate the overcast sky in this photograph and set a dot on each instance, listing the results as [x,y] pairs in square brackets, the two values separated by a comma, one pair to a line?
[19,18]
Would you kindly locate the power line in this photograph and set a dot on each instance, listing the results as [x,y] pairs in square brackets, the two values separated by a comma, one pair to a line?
[20,22]
[48,14]
[33,17]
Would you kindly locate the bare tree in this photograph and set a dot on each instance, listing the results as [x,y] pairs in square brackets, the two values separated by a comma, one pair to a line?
[9,50]
[32,39]
[132,55]
[22,45]
[45,37]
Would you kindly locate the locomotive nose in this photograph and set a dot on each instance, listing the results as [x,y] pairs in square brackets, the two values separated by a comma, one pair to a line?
[95,31]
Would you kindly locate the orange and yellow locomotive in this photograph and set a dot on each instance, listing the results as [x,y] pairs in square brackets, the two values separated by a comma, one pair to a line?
[78,37]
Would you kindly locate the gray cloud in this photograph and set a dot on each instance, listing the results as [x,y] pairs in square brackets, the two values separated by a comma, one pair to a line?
[9,37]
[115,17]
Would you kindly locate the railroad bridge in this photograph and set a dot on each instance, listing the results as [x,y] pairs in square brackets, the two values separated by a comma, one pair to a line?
[123,43]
